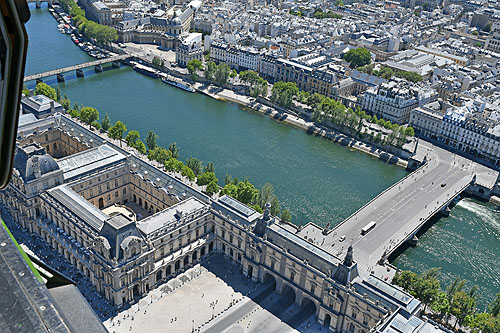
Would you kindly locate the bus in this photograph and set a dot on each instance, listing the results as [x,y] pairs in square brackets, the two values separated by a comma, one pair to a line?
[368,227]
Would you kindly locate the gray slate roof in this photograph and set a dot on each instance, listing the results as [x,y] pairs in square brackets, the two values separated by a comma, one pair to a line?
[88,161]
[28,157]
[73,202]
[170,217]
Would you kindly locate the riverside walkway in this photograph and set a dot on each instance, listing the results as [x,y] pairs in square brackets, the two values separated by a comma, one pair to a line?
[401,210]
[78,68]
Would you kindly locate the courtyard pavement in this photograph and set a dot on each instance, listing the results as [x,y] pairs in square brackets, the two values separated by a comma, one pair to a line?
[213,296]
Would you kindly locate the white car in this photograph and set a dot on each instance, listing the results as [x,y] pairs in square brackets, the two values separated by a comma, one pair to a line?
[342,238]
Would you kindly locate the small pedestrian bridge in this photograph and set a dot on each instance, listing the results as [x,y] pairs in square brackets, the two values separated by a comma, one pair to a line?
[115,60]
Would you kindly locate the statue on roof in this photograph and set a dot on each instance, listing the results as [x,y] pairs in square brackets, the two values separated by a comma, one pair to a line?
[348,260]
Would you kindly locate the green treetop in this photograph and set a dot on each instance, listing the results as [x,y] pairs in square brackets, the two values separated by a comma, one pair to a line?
[106,123]
[206,178]
[210,70]
[174,150]
[151,139]
[140,146]
[132,137]
[89,114]
[283,93]
[193,67]
[116,132]
[44,89]
[159,154]
[286,216]
[210,167]
[188,173]
[195,164]
[358,57]
[222,74]
[212,188]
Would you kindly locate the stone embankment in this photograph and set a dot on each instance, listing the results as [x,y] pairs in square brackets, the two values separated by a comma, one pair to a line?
[230,96]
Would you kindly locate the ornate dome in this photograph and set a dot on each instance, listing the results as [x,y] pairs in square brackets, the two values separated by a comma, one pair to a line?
[33,162]
[176,21]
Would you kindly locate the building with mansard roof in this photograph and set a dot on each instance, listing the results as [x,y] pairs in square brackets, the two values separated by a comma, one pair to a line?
[130,227]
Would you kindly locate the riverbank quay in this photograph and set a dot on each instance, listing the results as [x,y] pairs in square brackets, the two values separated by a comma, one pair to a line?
[293,120]
[296,119]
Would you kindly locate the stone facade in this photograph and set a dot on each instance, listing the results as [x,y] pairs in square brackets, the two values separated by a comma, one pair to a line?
[394,100]
[130,227]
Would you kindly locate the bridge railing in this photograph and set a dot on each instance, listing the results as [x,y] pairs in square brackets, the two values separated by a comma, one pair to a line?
[380,194]
[75,67]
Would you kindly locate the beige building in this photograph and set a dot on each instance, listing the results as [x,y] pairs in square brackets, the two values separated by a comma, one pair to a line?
[427,119]
[129,227]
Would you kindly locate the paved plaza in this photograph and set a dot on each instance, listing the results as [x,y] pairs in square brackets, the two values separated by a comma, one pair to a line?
[213,297]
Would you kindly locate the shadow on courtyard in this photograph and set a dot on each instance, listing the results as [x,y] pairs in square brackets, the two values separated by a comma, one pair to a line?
[281,306]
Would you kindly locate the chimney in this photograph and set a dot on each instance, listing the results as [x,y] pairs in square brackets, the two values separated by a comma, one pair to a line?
[52,108]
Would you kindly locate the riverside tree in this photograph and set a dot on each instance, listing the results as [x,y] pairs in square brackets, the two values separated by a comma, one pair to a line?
[195,164]
[66,103]
[206,178]
[174,150]
[159,154]
[286,216]
[212,188]
[484,323]
[140,146]
[44,89]
[106,123]
[132,137]
[151,139]
[222,74]
[266,194]
[26,91]
[188,173]
[193,67]
[95,124]
[241,191]
[257,86]
[283,93]
[158,62]
[210,167]
[117,130]
[88,115]
[210,70]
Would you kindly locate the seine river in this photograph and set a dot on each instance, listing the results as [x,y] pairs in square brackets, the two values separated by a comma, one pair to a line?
[316,180]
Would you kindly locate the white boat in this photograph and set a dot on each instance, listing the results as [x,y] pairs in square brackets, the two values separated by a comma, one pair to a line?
[146,70]
[178,84]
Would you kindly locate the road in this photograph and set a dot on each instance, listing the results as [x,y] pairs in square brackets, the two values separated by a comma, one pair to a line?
[402,209]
